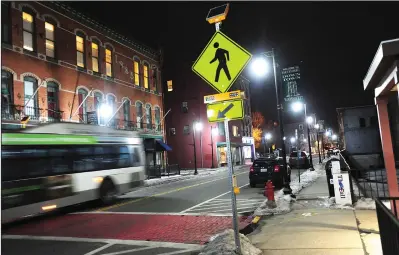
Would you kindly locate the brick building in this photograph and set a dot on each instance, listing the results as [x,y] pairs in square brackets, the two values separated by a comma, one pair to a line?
[187,107]
[58,65]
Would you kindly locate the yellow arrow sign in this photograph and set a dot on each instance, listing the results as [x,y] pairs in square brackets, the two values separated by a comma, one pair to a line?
[231,110]
[221,62]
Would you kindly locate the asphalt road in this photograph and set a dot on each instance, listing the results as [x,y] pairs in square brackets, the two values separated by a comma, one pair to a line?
[93,230]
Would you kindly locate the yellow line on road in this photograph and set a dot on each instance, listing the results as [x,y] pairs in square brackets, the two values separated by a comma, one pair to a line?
[160,194]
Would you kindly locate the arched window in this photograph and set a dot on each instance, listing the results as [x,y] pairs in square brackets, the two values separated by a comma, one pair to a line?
[108,61]
[136,69]
[139,114]
[146,75]
[50,26]
[148,115]
[111,101]
[7,93]
[95,55]
[126,110]
[28,29]
[157,118]
[82,94]
[80,49]
[31,101]
[52,101]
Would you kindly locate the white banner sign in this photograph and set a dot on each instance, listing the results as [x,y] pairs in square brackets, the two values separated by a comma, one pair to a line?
[335,167]
[342,189]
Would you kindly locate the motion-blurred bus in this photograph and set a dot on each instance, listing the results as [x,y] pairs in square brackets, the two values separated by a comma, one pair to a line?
[62,164]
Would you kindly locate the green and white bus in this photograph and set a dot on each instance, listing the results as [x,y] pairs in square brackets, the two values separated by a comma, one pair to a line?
[62,164]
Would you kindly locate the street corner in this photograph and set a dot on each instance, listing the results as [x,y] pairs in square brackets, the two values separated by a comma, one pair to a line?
[188,229]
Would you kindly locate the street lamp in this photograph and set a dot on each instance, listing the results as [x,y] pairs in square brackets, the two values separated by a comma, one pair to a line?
[296,107]
[260,67]
[214,131]
[268,136]
[197,126]
[292,139]
[334,137]
[317,126]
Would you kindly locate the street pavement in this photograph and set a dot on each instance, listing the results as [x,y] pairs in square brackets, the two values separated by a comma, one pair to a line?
[174,218]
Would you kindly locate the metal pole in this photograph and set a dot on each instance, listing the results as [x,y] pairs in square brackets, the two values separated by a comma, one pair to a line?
[310,147]
[233,195]
[213,166]
[195,151]
[318,145]
[202,155]
[34,94]
[280,115]
[298,154]
[322,146]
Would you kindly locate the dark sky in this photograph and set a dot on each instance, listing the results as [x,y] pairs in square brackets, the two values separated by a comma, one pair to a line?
[334,42]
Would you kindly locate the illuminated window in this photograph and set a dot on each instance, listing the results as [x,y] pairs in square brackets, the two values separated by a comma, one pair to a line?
[80,49]
[235,131]
[28,30]
[6,22]
[108,62]
[146,76]
[136,73]
[49,40]
[94,57]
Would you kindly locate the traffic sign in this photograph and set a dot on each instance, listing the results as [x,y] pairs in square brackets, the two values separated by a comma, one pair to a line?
[221,62]
[237,94]
[226,110]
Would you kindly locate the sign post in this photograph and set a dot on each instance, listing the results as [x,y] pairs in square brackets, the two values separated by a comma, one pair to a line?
[220,64]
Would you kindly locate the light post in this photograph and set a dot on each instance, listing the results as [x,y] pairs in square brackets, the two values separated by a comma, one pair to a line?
[259,67]
[317,126]
[297,106]
[196,126]
[214,131]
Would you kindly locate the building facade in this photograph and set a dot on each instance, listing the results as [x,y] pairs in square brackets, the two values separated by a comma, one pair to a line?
[187,107]
[58,65]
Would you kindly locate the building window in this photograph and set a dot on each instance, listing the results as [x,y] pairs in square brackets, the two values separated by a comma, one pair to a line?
[31,102]
[94,57]
[148,114]
[108,62]
[6,92]
[186,130]
[220,128]
[155,79]
[82,94]
[52,100]
[184,107]
[80,50]
[126,110]
[234,130]
[362,122]
[28,31]
[139,114]
[172,131]
[50,42]
[136,73]
[5,22]
[145,69]
[157,118]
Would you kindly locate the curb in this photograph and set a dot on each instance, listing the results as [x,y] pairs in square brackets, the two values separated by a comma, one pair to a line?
[252,225]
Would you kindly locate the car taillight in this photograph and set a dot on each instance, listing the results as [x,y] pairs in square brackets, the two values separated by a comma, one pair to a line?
[276,168]
[251,169]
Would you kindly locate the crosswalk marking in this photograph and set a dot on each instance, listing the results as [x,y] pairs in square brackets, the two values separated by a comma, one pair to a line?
[224,206]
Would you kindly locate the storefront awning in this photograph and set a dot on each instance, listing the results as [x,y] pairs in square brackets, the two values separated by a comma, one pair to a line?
[164,146]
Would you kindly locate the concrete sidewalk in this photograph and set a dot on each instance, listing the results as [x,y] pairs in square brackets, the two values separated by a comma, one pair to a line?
[318,231]
[318,189]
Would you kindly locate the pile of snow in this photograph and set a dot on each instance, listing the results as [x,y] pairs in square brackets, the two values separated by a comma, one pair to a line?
[365,204]
[224,244]
[283,202]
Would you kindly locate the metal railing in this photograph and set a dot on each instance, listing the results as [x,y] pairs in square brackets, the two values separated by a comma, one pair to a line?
[158,171]
[15,112]
[388,223]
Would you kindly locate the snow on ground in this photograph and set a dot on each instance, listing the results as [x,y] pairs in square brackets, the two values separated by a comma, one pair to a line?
[365,204]
[283,202]
[187,175]
[224,244]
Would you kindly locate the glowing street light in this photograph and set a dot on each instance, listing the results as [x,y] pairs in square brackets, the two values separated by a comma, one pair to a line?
[304,140]
[328,133]
[317,126]
[309,120]
[268,136]
[292,139]
[259,66]
[105,111]
[297,106]
[198,126]
[334,137]
[284,138]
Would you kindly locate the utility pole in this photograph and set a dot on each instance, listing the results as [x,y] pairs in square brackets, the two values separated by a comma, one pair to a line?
[213,166]
[195,151]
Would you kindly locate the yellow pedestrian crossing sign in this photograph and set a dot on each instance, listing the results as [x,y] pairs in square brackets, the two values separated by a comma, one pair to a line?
[230,110]
[221,62]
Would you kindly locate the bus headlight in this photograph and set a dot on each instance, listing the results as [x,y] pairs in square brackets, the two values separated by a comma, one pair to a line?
[98,179]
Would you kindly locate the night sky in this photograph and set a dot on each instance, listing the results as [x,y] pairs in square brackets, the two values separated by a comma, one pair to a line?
[334,42]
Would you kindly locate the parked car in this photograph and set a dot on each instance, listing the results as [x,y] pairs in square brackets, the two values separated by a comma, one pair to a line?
[269,168]
[303,162]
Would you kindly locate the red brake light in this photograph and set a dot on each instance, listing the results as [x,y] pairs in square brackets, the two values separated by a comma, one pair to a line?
[276,168]
[251,169]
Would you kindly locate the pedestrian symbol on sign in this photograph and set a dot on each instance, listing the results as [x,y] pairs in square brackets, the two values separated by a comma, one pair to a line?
[221,55]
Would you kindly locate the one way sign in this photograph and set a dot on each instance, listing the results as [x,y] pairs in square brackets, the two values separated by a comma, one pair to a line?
[226,110]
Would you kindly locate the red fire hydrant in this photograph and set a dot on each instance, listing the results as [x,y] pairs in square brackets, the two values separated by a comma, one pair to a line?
[269,191]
